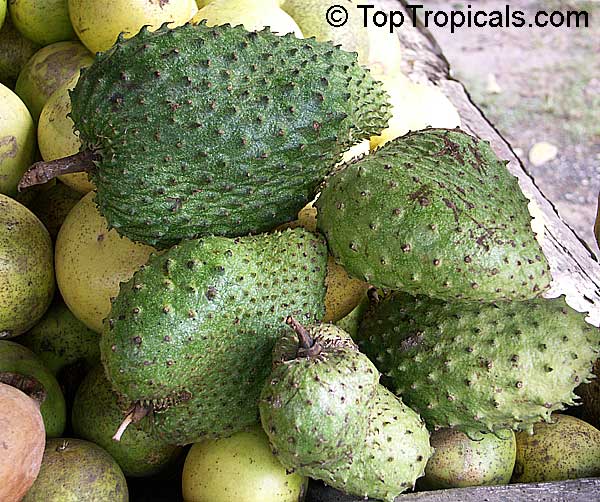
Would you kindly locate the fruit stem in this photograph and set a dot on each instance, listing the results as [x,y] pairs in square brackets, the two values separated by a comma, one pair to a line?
[26,384]
[135,415]
[41,172]
[308,346]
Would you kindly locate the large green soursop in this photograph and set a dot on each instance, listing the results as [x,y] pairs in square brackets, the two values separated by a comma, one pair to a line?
[202,131]
[480,367]
[190,336]
[435,213]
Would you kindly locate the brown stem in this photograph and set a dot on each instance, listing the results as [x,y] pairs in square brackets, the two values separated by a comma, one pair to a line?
[135,415]
[25,383]
[41,172]
[308,346]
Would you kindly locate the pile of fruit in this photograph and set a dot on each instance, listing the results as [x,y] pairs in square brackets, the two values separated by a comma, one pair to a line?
[250,241]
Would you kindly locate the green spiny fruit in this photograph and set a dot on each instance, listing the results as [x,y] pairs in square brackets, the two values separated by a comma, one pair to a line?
[199,131]
[192,333]
[97,414]
[393,455]
[434,212]
[480,367]
[315,405]
[18,362]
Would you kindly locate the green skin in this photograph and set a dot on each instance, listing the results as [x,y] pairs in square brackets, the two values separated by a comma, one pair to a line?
[459,461]
[96,416]
[480,367]
[314,408]
[351,323]
[568,448]
[65,345]
[84,472]
[15,51]
[53,205]
[15,358]
[434,212]
[236,146]
[392,456]
[2,12]
[204,311]
[26,268]
[47,70]
[43,21]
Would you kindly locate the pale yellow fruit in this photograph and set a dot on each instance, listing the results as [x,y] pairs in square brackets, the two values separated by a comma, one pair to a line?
[2,12]
[239,468]
[358,150]
[414,107]
[92,261]
[254,16]
[56,137]
[47,70]
[42,21]
[98,23]
[343,292]
[538,222]
[17,140]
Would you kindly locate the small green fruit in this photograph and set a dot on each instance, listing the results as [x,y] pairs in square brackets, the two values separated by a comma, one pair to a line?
[43,21]
[240,467]
[459,461]
[566,448]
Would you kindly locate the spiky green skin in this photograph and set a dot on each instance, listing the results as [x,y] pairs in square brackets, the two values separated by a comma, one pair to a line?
[392,457]
[195,327]
[434,212]
[480,367]
[315,409]
[97,414]
[218,131]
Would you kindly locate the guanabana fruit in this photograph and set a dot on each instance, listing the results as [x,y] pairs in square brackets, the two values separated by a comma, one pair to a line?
[436,213]
[190,336]
[97,413]
[480,367]
[315,405]
[197,131]
[392,456]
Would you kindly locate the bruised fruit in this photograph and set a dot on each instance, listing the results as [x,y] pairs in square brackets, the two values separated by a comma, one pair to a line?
[459,461]
[434,212]
[219,142]
[240,467]
[97,414]
[565,448]
[92,261]
[18,360]
[480,367]
[17,140]
[53,205]
[86,472]
[202,312]
[22,438]
[98,23]
[47,70]
[26,269]
[15,51]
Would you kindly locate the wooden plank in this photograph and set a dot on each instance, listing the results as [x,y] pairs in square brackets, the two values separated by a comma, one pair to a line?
[584,490]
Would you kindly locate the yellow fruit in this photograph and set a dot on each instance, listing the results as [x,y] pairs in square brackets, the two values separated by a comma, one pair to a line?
[99,22]
[253,15]
[414,107]
[2,12]
[343,292]
[47,70]
[92,261]
[17,140]
[538,222]
[56,137]
[240,468]
[42,21]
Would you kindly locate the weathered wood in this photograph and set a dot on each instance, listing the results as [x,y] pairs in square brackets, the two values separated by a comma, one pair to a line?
[584,490]
[574,267]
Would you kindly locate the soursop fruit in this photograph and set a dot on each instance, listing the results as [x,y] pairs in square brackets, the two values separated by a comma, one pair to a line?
[480,367]
[434,212]
[315,405]
[190,336]
[197,131]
